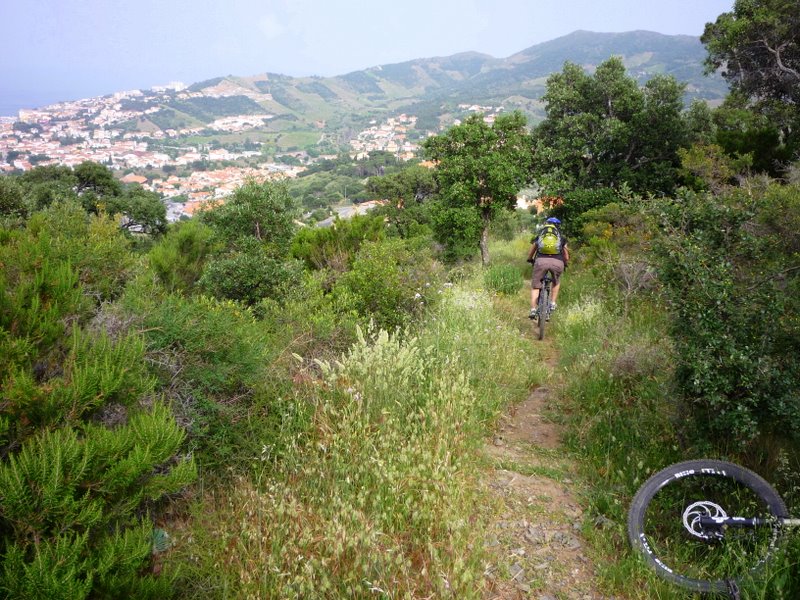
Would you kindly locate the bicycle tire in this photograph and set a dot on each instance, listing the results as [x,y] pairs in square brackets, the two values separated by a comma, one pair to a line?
[544,306]
[729,561]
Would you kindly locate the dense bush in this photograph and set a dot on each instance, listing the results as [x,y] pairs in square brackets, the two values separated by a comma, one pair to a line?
[390,282]
[179,258]
[249,273]
[12,199]
[729,263]
[576,203]
[334,247]
[82,454]
[461,227]
[92,245]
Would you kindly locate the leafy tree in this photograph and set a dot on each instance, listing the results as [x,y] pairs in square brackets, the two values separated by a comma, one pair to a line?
[757,47]
[143,211]
[49,173]
[480,169]
[700,124]
[413,184]
[12,198]
[264,211]
[97,179]
[603,130]
[255,227]
[742,129]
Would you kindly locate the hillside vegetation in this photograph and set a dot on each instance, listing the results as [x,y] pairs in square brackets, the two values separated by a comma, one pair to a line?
[236,407]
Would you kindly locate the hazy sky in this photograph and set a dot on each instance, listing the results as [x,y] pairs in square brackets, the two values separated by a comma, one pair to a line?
[54,50]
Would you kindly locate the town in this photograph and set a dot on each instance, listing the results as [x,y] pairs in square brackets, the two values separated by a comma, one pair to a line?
[116,131]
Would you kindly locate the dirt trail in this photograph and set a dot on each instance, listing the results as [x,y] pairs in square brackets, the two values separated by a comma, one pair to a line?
[534,542]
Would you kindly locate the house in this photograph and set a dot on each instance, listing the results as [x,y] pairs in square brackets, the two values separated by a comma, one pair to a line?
[131,178]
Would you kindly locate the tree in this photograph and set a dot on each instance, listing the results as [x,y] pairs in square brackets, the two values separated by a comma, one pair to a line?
[12,198]
[480,169]
[143,211]
[255,226]
[96,178]
[264,211]
[413,184]
[700,122]
[757,48]
[604,130]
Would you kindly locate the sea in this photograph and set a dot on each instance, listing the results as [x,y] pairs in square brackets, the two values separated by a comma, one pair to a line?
[12,101]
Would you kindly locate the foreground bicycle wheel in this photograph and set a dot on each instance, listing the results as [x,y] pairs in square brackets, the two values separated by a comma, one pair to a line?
[664,524]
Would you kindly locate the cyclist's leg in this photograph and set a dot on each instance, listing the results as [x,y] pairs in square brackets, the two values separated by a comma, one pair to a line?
[557,267]
[536,283]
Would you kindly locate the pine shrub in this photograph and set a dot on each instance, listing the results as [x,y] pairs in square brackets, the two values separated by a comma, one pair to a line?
[82,458]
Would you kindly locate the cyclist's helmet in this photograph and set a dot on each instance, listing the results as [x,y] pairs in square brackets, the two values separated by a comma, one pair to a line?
[554,221]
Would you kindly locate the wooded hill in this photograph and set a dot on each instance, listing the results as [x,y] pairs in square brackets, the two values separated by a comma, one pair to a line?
[430,87]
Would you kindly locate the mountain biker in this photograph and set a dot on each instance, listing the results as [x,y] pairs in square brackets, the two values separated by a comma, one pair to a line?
[549,247]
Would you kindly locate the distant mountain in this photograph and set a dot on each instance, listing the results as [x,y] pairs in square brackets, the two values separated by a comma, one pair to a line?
[433,85]
[290,113]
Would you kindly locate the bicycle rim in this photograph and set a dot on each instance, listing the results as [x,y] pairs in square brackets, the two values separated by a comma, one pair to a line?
[663,524]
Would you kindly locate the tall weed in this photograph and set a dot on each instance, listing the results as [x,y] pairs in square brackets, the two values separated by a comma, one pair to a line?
[381,496]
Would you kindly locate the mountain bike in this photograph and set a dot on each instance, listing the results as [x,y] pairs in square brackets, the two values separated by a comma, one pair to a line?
[543,305]
[707,525]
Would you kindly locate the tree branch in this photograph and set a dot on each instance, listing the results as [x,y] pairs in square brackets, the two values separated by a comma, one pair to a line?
[778,274]
[777,54]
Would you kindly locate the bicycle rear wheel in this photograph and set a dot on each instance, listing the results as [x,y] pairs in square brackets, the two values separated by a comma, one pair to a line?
[664,524]
[544,308]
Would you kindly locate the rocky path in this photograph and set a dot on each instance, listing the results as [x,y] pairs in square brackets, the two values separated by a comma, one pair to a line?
[534,542]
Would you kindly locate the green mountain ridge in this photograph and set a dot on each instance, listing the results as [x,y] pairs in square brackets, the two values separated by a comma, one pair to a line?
[432,89]
[471,77]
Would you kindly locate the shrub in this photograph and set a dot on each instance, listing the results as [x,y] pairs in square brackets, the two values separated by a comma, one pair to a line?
[733,291]
[334,247]
[93,245]
[389,282]
[212,360]
[69,507]
[249,274]
[12,199]
[459,229]
[179,258]
[81,459]
[576,203]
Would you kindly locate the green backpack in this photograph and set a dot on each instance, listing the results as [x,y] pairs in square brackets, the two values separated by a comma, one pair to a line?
[549,240]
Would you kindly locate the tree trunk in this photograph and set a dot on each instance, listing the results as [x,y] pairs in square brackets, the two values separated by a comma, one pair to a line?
[485,238]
